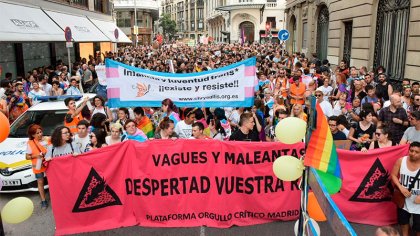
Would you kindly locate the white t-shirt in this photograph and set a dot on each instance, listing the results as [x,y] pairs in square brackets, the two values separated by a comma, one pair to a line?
[47,88]
[326,91]
[34,95]
[62,150]
[234,118]
[81,142]
[183,130]
[326,108]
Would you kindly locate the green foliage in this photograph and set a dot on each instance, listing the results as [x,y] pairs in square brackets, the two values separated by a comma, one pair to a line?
[168,25]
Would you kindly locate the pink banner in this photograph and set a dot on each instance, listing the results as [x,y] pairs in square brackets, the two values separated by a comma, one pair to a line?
[165,183]
[365,196]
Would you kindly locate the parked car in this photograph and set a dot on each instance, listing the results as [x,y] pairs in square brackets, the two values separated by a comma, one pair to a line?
[15,171]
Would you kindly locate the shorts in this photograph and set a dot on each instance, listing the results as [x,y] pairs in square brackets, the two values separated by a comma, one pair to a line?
[40,175]
[404,219]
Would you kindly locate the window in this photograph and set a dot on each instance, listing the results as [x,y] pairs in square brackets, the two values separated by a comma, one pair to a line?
[305,35]
[192,25]
[124,19]
[272,20]
[83,3]
[200,13]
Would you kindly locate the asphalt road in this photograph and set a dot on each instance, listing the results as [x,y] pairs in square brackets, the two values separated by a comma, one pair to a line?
[42,223]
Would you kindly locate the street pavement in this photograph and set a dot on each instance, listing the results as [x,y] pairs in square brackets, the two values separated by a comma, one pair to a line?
[42,223]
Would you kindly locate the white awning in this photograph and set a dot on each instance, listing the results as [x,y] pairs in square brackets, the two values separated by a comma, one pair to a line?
[81,28]
[23,23]
[108,28]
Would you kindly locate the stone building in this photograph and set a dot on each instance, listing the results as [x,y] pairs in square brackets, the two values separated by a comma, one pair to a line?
[255,20]
[146,12]
[189,16]
[362,32]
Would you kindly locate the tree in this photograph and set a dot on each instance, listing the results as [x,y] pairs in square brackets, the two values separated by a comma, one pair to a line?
[168,25]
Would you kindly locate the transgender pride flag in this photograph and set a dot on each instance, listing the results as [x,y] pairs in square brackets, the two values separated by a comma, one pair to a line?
[229,86]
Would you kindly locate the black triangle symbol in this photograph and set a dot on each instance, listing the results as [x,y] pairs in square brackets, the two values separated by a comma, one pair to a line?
[375,187]
[95,194]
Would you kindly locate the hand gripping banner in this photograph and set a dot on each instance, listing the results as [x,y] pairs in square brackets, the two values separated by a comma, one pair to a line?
[166,183]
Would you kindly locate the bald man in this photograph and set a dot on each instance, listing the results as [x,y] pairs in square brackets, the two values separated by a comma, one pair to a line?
[395,117]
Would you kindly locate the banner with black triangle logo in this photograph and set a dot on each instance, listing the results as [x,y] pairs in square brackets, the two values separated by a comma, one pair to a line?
[375,186]
[95,194]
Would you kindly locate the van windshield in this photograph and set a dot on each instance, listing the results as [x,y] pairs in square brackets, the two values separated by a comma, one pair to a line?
[48,120]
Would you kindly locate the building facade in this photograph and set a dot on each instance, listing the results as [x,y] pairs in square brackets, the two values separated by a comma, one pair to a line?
[252,20]
[147,12]
[189,16]
[362,32]
[32,32]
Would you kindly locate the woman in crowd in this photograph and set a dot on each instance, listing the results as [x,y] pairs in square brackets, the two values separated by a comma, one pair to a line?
[383,139]
[165,130]
[98,104]
[61,144]
[35,151]
[341,106]
[170,110]
[341,86]
[362,133]
[132,132]
[352,114]
[97,140]
[98,121]
[116,132]
[123,115]
[56,90]
[297,111]
[216,130]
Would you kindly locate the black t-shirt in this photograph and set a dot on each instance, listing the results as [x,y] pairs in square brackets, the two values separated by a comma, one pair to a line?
[339,136]
[239,136]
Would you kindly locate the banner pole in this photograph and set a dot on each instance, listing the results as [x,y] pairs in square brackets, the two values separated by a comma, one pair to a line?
[303,201]
[311,125]
[1,227]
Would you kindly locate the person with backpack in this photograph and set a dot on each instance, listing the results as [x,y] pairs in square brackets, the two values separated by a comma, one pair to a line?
[62,144]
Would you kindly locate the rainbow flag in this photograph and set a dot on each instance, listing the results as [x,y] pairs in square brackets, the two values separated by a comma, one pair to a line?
[146,126]
[320,152]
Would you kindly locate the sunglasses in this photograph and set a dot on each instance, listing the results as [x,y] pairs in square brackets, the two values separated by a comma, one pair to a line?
[91,136]
[378,134]
[318,95]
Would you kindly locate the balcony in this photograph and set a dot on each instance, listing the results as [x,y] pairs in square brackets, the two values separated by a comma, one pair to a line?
[242,4]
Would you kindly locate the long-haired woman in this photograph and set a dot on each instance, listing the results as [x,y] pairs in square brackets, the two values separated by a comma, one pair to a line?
[170,110]
[35,152]
[97,140]
[165,130]
[61,144]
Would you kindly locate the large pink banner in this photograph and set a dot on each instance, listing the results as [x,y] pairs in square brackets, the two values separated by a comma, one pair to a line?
[166,183]
[365,196]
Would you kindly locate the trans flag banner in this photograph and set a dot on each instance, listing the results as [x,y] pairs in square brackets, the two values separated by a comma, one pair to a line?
[230,86]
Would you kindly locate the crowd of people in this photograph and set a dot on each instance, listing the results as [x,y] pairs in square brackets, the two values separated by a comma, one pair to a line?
[361,105]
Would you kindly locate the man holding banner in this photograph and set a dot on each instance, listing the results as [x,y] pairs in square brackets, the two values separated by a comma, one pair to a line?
[405,176]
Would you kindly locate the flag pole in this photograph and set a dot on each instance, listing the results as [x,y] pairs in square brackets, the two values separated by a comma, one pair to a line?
[311,104]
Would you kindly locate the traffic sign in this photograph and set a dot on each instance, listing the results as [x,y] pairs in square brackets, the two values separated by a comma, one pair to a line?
[67,34]
[284,35]
[116,33]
